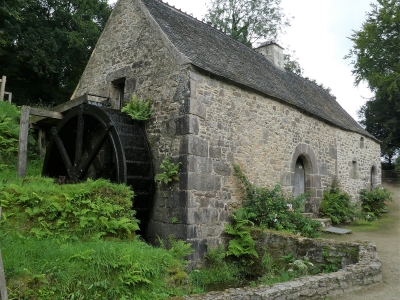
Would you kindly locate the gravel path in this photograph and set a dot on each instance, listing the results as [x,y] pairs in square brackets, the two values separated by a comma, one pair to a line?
[386,235]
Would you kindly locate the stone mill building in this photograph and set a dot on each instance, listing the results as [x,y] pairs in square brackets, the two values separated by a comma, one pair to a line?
[218,102]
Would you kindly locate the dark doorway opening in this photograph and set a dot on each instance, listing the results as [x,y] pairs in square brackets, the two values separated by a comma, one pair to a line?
[299,178]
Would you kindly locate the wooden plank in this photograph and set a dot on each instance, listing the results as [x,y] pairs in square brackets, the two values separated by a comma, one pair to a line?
[23,140]
[2,87]
[64,107]
[46,113]
[3,287]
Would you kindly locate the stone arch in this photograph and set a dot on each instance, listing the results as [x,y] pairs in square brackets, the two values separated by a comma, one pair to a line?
[312,180]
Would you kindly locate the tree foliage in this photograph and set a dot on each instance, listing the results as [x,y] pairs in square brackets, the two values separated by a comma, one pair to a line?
[376,60]
[45,44]
[248,21]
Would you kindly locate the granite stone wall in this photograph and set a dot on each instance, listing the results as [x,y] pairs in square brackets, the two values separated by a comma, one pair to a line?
[361,267]
[265,137]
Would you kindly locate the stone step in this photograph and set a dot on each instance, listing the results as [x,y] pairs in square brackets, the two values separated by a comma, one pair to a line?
[308,215]
[324,222]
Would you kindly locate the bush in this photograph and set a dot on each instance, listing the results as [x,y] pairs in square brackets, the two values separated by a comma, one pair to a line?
[138,109]
[374,202]
[337,206]
[272,208]
[70,211]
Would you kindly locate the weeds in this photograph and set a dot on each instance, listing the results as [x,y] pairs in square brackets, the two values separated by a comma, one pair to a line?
[170,172]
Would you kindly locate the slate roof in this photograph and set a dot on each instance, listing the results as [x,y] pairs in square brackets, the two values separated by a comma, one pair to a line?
[217,53]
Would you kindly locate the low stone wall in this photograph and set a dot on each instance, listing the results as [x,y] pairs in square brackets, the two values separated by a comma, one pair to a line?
[361,266]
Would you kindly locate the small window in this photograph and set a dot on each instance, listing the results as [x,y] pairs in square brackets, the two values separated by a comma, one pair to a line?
[119,91]
[361,143]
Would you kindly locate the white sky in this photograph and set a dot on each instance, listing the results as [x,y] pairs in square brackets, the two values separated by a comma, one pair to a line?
[319,36]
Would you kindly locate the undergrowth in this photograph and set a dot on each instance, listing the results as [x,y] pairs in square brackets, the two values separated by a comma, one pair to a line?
[273,209]
[374,202]
[336,205]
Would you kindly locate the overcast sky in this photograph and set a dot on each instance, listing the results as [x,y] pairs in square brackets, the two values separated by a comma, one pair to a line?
[319,36]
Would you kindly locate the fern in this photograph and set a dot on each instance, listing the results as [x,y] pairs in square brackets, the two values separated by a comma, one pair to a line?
[138,109]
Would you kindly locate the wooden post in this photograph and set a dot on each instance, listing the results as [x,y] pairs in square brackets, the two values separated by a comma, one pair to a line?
[42,143]
[23,140]
[3,287]
[2,87]
[9,96]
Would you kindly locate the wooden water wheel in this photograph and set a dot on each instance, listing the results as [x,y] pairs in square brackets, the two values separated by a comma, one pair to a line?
[96,142]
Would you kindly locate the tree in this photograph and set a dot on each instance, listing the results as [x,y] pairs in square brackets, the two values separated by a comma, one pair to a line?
[45,45]
[376,60]
[248,21]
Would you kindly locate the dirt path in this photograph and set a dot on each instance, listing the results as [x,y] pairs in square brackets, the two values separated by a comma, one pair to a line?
[386,234]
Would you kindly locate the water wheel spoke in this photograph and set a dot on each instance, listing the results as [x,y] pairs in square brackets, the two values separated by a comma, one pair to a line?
[79,138]
[93,153]
[63,153]
[96,162]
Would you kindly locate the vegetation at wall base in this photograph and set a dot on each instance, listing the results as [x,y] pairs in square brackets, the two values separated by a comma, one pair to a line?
[374,202]
[273,209]
[336,205]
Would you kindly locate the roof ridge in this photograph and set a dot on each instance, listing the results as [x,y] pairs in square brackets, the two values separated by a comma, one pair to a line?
[205,23]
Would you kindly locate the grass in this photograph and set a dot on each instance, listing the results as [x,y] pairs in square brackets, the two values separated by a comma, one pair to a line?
[78,242]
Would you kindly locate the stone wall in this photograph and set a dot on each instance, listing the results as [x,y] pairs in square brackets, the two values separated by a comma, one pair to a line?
[265,137]
[132,50]
[354,275]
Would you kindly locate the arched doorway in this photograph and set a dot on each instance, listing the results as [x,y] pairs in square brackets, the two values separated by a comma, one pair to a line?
[299,178]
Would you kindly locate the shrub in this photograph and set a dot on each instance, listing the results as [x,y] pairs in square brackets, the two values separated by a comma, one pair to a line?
[71,211]
[138,109]
[272,208]
[336,205]
[374,202]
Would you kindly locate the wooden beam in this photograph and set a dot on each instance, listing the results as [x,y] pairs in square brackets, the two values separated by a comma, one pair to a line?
[23,140]
[64,107]
[46,113]
[2,87]
[3,287]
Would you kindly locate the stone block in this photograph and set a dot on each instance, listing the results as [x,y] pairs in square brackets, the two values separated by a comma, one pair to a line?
[215,152]
[188,163]
[191,144]
[187,124]
[193,106]
[200,249]
[204,165]
[287,179]
[200,182]
[222,169]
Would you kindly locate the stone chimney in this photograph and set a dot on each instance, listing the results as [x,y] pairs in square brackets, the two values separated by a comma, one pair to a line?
[273,52]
